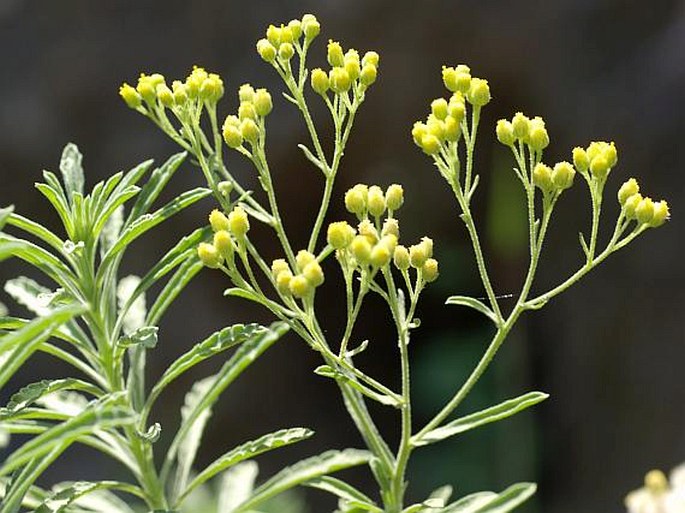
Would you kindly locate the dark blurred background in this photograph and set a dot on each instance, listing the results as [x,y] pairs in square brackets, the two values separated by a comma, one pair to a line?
[610,351]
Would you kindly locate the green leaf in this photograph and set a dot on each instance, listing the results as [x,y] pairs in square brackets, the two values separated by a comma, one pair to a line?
[489,502]
[59,203]
[149,221]
[154,186]
[245,294]
[470,503]
[303,471]
[216,343]
[111,230]
[173,287]
[98,416]
[36,230]
[30,294]
[16,347]
[33,392]
[474,420]
[245,451]
[113,204]
[345,491]
[246,354]
[5,215]
[71,493]
[71,168]
[145,336]
[472,303]
[236,485]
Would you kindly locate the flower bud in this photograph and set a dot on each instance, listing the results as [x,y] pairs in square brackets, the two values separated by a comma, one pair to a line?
[225,187]
[401,258]
[418,255]
[599,167]
[310,26]
[223,243]
[130,96]
[452,129]
[520,124]
[538,138]
[644,212]
[542,177]
[262,102]
[391,227]
[146,89]
[180,92]
[368,230]
[209,255]
[286,51]
[295,27]
[303,258]
[266,50]
[380,255]
[394,196]
[631,205]
[339,80]
[427,244]
[232,134]
[376,201]
[656,482]
[247,110]
[352,65]
[218,220]
[628,188]
[238,223]
[278,266]
[335,54]
[430,144]
[299,286]
[429,270]
[249,130]
[479,92]
[581,159]
[661,214]
[436,127]
[360,247]
[246,93]
[389,240]
[439,108]
[313,273]
[212,88]
[562,175]
[611,154]
[286,34]
[368,75]
[273,34]
[283,281]
[355,199]
[418,131]
[340,234]
[164,95]
[319,81]
[505,132]
[371,59]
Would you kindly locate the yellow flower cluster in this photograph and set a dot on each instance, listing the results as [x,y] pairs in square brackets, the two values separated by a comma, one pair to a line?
[641,209]
[365,247]
[281,42]
[552,181]
[523,129]
[308,275]
[229,234]
[443,124]
[348,71]
[598,158]
[152,92]
[254,106]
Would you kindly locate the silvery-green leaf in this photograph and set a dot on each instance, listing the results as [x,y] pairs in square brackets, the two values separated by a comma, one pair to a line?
[145,337]
[4,438]
[35,391]
[248,450]
[472,303]
[134,317]
[349,495]
[65,402]
[152,434]
[30,294]
[72,170]
[78,493]
[5,214]
[470,503]
[305,470]
[187,450]
[155,184]
[112,229]
[503,502]
[474,420]
[236,486]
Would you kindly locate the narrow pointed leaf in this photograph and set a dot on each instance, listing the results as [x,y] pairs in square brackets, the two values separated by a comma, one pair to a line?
[474,420]
[236,485]
[5,214]
[71,493]
[154,186]
[33,392]
[472,303]
[36,230]
[345,491]
[248,450]
[470,503]
[303,471]
[509,499]
[183,275]
[71,168]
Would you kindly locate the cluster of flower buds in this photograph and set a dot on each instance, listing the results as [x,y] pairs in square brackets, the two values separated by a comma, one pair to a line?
[523,129]
[347,71]
[552,181]
[308,275]
[365,247]
[151,92]
[229,234]
[598,158]
[641,209]
[281,42]
[363,200]
[254,106]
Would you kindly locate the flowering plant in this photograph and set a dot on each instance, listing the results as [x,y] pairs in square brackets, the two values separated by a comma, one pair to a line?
[103,319]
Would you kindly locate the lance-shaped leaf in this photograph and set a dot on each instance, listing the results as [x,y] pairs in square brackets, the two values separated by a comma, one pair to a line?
[488,502]
[71,168]
[174,286]
[303,471]
[245,451]
[98,416]
[236,485]
[154,186]
[19,345]
[35,391]
[474,420]
[348,493]
[36,230]
[472,303]
[5,214]
[68,494]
